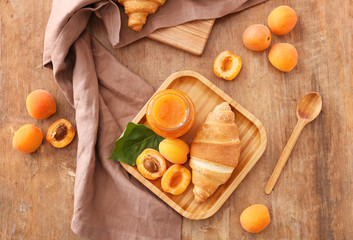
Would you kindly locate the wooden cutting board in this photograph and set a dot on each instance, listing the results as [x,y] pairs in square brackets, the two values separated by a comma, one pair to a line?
[190,37]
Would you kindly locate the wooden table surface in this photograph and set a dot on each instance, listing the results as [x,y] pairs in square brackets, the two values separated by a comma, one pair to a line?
[313,197]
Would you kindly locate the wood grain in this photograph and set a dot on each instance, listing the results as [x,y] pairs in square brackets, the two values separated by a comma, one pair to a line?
[190,37]
[309,107]
[36,190]
[313,197]
[252,134]
[284,156]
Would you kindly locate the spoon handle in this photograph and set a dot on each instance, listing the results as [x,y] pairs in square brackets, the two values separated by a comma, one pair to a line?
[284,156]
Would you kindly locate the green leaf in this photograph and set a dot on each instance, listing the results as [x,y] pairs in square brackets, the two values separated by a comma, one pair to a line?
[135,139]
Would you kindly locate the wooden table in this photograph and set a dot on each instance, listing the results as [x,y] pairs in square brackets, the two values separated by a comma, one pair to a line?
[313,197]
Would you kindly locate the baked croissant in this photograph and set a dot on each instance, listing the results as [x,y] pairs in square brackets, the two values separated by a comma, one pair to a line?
[138,10]
[214,152]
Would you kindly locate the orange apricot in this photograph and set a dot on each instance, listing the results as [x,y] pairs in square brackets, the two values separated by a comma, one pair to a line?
[174,150]
[283,56]
[227,65]
[60,133]
[151,164]
[257,37]
[40,104]
[282,20]
[27,138]
[176,179]
[255,218]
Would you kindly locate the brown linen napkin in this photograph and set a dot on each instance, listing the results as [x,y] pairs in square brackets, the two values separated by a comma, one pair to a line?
[109,203]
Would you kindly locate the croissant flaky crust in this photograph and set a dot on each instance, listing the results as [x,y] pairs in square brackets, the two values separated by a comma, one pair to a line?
[214,152]
[138,10]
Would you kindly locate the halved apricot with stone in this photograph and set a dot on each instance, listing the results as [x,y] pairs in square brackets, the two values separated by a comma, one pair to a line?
[151,164]
[60,133]
[227,65]
[40,104]
[255,218]
[257,37]
[27,138]
[176,179]
[282,20]
[174,150]
[283,56]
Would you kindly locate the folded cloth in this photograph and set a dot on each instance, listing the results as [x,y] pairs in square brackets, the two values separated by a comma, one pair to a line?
[108,202]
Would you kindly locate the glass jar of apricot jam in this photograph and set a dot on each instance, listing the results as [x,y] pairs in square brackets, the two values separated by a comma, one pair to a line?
[170,113]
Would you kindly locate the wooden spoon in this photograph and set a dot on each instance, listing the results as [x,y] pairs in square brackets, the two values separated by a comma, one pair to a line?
[308,109]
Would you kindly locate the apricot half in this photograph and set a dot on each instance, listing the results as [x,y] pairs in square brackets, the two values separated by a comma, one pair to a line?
[257,37]
[151,164]
[174,150]
[283,56]
[255,218]
[27,138]
[176,179]
[227,65]
[60,133]
[40,104]
[282,20]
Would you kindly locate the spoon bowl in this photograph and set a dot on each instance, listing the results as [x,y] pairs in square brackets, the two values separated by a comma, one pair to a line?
[309,106]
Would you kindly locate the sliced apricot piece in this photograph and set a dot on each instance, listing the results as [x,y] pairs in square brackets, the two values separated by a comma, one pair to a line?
[174,150]
[255,218]
[27,138]
[176,179]
[40,104]
[60,133]
[151,164]
[227,65]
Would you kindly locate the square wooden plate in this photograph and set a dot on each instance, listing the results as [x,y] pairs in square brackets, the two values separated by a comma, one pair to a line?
[206,96]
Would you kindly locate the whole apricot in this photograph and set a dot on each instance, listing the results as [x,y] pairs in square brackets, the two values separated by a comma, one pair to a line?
[27,138]
[282,20]
[283,56]
[257,37]
[40,104]
[176,179]
[255,218]
[174,150]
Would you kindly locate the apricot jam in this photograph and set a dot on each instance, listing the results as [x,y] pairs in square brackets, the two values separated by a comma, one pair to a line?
[170,113]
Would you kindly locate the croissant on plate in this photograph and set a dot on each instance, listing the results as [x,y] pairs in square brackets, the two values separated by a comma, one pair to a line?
[214,152]
[138,10]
